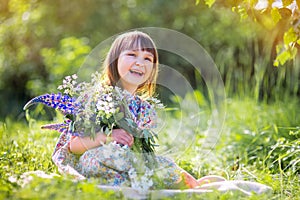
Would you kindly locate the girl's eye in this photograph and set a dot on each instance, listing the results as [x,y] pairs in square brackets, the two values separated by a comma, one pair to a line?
[131,54]
[149,59]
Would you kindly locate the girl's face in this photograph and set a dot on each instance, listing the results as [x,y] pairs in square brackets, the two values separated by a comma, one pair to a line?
[134,67]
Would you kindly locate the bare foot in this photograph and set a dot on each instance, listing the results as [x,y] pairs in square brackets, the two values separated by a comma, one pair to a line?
[191,182]
[210,179]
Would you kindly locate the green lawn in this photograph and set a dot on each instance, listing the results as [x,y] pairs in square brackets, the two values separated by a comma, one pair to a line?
[258,142]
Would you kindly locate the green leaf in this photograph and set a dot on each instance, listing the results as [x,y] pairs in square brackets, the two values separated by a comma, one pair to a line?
[282,58]
[287,2]
[209,2]
[131,123]
[285,55]
[275,15]
[93,132]
[275,128]
[242,12]
[105,121]
[119,116]
[290,36]
[146,133]
[276,63]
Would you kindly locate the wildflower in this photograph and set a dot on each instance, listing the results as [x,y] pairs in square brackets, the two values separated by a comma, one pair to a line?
[74,76]
[95,106]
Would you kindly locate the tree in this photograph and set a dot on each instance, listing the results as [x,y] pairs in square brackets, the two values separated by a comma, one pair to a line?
[280,15]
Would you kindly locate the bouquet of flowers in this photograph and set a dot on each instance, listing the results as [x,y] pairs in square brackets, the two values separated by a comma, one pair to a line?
[96,106]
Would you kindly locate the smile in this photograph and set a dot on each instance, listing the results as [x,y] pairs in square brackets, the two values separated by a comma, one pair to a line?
[136,72]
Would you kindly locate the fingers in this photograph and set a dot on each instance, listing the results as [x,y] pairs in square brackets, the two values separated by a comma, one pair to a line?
[122,137]
[131,141]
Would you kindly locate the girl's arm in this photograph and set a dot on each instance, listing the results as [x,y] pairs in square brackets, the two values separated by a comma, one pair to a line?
[79,145]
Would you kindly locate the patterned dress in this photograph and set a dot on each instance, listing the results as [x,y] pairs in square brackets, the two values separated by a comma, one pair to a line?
[111,163]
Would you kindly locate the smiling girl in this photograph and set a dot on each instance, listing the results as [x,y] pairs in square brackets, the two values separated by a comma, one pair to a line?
[131,64]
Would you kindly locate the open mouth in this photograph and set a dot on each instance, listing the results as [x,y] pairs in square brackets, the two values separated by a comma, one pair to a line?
[136,72]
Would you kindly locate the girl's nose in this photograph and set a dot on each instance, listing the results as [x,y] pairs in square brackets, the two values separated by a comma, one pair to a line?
[139,61]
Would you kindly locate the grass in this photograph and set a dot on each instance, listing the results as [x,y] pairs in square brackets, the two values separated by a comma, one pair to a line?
[259,142]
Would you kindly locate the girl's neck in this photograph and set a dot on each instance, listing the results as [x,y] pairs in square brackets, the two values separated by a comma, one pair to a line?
[129,88]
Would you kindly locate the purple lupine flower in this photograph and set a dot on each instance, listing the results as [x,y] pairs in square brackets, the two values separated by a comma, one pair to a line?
[64,103]
[62,128]
[134,107]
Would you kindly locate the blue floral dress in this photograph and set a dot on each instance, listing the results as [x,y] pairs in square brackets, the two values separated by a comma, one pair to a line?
[111,163]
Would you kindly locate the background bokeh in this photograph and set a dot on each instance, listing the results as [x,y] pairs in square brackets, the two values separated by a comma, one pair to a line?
[41,42]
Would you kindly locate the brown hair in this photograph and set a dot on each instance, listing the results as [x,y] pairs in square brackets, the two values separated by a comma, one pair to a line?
[133,40]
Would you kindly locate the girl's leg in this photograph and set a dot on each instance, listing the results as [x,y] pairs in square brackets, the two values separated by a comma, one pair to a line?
[189,180]
[175,177]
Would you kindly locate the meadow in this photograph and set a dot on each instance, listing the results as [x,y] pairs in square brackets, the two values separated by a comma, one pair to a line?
[258,142]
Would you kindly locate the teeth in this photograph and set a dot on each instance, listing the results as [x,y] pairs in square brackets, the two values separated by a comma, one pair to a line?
[137,72]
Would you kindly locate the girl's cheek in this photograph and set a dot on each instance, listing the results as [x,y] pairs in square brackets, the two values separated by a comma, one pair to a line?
[150,67]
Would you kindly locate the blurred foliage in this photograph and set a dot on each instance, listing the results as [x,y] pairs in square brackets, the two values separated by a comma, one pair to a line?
[41,42]
[60,63]
[282,16]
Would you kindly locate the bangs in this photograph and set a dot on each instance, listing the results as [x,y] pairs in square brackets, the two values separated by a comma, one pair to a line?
[138,42]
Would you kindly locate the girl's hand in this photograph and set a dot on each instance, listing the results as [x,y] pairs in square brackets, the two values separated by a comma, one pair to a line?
[79,145]
[122,137]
